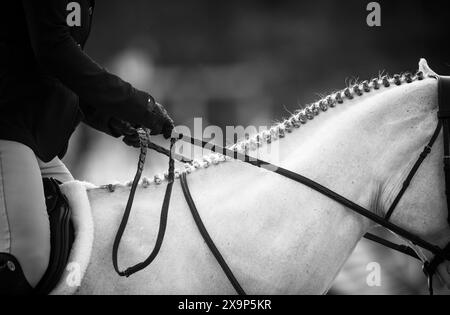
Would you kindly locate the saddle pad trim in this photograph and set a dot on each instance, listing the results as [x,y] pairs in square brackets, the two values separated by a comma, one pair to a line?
[80,255]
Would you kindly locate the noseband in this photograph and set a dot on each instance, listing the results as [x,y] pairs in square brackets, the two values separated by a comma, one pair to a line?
[429,268]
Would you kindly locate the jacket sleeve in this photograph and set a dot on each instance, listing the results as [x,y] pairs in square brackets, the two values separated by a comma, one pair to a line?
[98,120]
[58,53]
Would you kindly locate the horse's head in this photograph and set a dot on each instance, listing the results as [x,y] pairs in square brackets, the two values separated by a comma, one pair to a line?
[410,123]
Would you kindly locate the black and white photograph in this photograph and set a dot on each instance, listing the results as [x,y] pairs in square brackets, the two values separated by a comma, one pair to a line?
[224,155]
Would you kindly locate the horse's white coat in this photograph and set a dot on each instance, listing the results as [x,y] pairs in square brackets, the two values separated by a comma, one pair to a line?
[279,236]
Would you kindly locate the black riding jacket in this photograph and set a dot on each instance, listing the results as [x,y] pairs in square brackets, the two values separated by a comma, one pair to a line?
[48,84]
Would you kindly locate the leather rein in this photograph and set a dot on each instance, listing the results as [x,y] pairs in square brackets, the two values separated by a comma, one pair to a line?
[429,267]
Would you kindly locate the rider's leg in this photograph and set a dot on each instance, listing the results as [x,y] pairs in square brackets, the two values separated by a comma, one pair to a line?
[24,224]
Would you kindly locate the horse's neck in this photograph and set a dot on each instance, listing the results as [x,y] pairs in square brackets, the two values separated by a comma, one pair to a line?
[352,149]
[268,227]
[358,146]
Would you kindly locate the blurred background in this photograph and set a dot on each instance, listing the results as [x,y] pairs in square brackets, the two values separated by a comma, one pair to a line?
[250,63]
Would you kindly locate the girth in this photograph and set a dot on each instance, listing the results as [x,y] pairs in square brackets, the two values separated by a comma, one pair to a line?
[429,267]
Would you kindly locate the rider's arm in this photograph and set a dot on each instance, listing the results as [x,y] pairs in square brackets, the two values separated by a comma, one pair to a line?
[58,53]
[98,120]
[109,125]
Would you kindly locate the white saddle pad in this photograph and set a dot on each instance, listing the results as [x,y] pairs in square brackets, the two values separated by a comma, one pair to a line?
[80,255]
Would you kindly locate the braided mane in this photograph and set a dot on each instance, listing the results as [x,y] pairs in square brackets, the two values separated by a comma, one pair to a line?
[280,130]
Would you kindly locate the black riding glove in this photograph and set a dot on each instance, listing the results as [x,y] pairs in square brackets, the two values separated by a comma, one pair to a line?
[125,129]
[160,121]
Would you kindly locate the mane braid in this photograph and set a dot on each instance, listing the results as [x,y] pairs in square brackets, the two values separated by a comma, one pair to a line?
[300,117]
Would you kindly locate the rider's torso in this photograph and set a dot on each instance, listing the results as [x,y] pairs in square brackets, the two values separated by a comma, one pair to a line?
[34,105]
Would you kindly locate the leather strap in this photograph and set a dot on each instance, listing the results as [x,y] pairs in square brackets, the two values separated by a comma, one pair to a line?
[144,138]
[414,169]
[299,178]
[429,268]
[323,190]
[202,229]
[444,116]
[397,247]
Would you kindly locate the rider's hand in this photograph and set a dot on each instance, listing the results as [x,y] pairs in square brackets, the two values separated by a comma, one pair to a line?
[125,129]
[160,121]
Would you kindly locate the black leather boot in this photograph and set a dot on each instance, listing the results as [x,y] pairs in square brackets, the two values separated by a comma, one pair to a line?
[12,278]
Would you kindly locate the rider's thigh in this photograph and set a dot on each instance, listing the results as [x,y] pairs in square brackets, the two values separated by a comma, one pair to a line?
[24,226]
[55,169]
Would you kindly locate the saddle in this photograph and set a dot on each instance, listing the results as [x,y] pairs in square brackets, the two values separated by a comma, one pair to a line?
[12,278]
[61,235]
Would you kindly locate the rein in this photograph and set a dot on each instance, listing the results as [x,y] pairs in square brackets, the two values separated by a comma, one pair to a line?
[144,138]
[429,268]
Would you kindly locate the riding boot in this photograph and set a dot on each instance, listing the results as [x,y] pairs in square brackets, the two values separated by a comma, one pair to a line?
[12,278]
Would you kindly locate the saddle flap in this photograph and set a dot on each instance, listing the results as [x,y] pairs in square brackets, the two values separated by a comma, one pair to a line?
[61,235]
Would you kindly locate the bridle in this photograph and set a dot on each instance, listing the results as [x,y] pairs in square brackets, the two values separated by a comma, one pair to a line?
[429,267]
